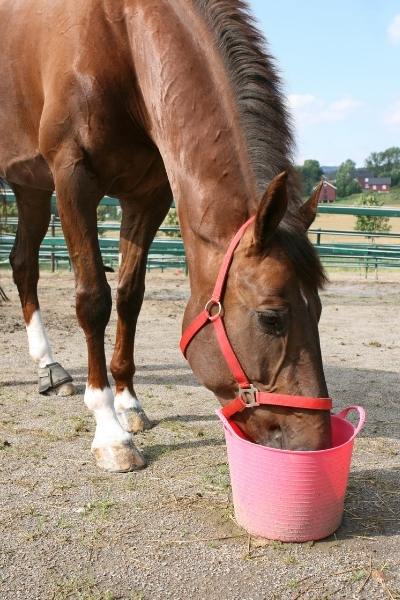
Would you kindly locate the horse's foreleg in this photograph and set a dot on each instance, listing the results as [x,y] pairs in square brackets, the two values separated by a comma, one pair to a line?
[34,217]
[138,227]
[78,195]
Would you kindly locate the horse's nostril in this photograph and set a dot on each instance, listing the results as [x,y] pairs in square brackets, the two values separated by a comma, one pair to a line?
[277,434]
[273,438]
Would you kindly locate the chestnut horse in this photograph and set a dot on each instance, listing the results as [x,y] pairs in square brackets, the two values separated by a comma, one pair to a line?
[147,100]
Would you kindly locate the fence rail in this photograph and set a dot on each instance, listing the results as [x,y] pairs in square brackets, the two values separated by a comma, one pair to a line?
[370,211]
[336,209]
[377,250]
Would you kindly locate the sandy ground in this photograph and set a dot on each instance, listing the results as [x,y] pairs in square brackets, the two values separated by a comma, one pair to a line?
[68,530]
[347,223]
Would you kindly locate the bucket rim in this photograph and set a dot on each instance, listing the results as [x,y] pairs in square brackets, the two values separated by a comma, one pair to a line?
[341,415]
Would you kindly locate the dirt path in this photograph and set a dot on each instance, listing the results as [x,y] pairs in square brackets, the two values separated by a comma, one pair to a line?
[68,530]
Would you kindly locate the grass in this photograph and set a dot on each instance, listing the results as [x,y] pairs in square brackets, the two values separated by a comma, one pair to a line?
[174,426]
[38,528]
[82,587]
[219,478]
[358,575]
[347,222]
[80,424]
[392,198]
[291,560]
[62,523]
[156,451]
[98,508]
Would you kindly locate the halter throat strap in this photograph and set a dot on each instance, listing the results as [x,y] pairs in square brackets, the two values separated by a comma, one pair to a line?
[249,396]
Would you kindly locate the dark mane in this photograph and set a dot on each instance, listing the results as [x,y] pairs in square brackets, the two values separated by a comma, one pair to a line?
[303,257]
[265,120]
[257,87]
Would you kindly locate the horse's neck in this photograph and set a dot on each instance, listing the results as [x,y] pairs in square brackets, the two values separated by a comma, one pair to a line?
[194,120]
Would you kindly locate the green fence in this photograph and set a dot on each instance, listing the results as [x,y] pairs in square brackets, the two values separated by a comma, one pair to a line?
[368,251]
[164,253]
[372,211]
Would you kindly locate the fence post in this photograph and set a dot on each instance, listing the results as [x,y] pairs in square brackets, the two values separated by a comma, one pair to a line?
[53,234]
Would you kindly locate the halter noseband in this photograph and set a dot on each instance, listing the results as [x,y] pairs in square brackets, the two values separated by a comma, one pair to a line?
[248,396]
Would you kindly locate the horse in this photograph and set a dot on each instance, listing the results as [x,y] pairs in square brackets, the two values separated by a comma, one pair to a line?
[150,101]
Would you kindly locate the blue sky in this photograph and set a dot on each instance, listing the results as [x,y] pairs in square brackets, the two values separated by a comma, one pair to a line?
[340,63]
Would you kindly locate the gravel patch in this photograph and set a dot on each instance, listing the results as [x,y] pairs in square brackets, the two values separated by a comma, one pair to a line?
[67,530]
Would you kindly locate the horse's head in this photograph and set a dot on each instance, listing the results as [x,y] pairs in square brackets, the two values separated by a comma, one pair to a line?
[271,310]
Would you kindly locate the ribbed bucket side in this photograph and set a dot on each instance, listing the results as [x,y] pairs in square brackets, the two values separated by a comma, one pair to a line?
[290,496]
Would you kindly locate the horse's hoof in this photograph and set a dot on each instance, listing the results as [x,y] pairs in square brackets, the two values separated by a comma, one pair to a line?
[119,458]
[66,389]
[134,420]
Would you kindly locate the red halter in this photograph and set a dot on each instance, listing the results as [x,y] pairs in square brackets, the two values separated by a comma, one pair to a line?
[248,395]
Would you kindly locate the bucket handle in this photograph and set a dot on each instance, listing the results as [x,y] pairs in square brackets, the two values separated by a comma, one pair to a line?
[361,416]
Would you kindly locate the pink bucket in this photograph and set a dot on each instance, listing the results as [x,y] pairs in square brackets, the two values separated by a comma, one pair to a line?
[292,496]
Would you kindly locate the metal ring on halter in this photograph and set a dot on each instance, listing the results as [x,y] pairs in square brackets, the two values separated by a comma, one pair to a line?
[208,307]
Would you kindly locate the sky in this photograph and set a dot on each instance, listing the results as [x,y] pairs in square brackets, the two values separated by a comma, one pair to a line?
[340,65]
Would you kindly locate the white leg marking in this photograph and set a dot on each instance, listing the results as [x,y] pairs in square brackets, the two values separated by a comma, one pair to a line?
[125,401]
[108,429]
[39,346]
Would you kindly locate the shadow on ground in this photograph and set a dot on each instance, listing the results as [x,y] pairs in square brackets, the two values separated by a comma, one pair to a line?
[372,505]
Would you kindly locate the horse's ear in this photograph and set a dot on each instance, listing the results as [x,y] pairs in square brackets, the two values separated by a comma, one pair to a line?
[308,211]
[270,212]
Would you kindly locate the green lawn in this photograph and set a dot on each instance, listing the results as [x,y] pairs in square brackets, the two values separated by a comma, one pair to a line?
[392,198]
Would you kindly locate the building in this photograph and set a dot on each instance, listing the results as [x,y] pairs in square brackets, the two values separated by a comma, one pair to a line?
[328,193]
[376,184]
[363,175]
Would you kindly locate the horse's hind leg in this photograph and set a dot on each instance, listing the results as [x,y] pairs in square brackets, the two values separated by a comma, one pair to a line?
[34,215]
[78,195]
[138,227]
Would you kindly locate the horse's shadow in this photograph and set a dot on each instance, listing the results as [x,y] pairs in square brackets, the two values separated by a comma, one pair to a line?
[375,389]
[372,505]
[160,374]
[154,452]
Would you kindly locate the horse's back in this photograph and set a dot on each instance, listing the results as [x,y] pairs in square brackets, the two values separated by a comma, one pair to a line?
[21,91]
[54,60]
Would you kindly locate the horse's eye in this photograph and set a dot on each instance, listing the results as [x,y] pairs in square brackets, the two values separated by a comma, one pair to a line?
[273,321]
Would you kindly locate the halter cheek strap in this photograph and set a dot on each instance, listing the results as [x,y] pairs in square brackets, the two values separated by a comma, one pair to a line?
[248,396]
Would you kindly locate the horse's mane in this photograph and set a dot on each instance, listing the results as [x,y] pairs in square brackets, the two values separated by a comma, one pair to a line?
[256,84]
[265,119]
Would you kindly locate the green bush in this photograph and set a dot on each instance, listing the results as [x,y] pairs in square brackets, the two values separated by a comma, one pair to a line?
[171,220]
[372,224]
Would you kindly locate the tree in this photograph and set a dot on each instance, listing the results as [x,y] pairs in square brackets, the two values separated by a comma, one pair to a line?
[346,181]
[385,164]
[368,223]
[310,174]
[7,209]
[107,213]
[171,220]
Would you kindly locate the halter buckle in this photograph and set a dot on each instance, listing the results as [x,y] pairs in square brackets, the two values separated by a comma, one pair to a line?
[210,305]
[249,396]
